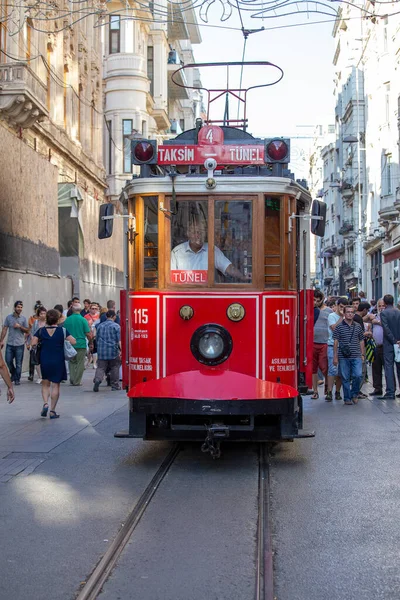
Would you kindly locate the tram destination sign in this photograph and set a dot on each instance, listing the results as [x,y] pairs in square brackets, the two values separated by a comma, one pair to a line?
[224,154]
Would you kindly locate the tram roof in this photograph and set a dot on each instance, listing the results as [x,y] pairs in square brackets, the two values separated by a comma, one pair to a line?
[226,184]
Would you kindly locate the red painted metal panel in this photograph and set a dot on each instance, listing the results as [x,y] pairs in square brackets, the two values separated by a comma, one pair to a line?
[212,384]
[280,335]
[306,358]
[125,370]
[208,308]
[144,338]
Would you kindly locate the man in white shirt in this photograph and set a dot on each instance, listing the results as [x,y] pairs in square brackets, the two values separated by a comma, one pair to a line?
[193,255]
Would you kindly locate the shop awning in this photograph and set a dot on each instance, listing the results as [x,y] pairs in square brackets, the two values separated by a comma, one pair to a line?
[70,196]
[391,253]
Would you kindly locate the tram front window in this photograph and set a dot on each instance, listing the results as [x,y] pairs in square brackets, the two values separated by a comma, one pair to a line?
[189,254]
[233,238]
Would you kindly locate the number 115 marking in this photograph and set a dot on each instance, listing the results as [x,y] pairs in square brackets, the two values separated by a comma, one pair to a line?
[283,317]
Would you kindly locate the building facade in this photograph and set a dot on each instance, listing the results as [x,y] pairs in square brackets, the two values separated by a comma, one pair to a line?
[141,52]
[52,177]
[362,164]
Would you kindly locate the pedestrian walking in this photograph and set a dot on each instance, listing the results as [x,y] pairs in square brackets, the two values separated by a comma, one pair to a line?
[390,320]
[17,326]
[110,306]
[80,330]
[38,324]
[86,306]
[52,361]
[28,339]
[359,317]
[334,319]
[378,362]
[321,334]
[108,337]
[349,354]
[60,309]
[7,380]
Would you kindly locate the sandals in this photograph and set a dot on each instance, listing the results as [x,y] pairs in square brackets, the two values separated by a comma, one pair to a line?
[45,410]
[54,415]
[315,396]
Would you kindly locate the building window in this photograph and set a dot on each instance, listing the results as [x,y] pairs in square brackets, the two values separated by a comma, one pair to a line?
[127,125]
[109,152]
[387,187]
[385,34]
[115,34]
[387,102]
[3,30]
[376,274]
[150,67]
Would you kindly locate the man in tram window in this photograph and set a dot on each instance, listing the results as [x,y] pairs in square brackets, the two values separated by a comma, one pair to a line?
[192,255]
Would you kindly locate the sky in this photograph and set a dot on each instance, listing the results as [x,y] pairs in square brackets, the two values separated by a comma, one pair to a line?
[301,100]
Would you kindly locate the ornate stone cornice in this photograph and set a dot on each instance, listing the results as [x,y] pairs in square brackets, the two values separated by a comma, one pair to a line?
[22,95]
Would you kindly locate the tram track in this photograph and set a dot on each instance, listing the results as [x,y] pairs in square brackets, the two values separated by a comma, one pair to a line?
[264,571]
[102,571]
[263,552]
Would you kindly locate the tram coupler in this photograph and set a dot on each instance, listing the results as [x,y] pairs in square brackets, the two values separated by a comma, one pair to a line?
[212,443]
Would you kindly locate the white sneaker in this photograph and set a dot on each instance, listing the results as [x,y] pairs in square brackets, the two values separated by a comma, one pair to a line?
[38,381]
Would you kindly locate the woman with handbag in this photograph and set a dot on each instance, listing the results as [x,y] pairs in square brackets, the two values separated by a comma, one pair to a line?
[52,361]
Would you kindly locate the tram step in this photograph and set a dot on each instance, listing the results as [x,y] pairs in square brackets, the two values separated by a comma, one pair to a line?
[302,433]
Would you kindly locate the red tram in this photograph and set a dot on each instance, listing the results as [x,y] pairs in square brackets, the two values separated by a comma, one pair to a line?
[218,337]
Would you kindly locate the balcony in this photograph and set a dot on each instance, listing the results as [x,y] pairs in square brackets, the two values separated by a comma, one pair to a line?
[346,228]
[23,95]
[347,189]
[340,250]
[329,274]
[175,92]
[347,268]
[177,27]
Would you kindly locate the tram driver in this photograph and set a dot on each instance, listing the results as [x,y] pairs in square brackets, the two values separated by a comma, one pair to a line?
[193,254]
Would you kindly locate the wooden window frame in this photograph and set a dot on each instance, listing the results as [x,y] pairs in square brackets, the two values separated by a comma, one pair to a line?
[114,33]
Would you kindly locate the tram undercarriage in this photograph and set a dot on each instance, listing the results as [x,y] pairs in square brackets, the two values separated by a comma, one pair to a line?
[212,422]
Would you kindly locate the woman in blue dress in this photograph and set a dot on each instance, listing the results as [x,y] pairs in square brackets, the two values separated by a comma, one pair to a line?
[52,361]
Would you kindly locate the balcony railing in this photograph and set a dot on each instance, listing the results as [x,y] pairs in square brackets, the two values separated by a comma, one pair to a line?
[23,95]
[347,267]
[347,227]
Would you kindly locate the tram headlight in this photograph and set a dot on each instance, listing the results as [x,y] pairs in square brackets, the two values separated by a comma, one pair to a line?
[211,344]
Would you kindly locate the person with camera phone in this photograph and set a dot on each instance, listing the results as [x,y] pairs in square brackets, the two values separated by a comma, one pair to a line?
[349,354]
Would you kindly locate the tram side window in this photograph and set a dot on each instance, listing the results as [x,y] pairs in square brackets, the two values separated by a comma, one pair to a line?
[189,247]
[233,242]
[150,241]
[272,242]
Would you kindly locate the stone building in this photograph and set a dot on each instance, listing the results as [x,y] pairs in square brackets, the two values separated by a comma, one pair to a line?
[364,159]
[52,177]
[142,50]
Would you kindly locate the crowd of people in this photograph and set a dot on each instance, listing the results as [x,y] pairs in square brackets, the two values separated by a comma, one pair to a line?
[349,334]
[61,344]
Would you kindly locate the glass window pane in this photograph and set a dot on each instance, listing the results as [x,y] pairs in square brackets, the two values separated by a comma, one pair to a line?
[114,42]
[272,242]
[150,242]
[127,130]
[114,22]
[189,247]
[127,126]
[233,242]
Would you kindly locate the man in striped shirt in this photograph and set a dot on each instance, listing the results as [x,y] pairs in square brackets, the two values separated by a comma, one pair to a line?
[349,354]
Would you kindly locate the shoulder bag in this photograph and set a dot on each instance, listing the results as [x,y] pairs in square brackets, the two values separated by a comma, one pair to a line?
[35,350]
[346,348]
[69,350]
